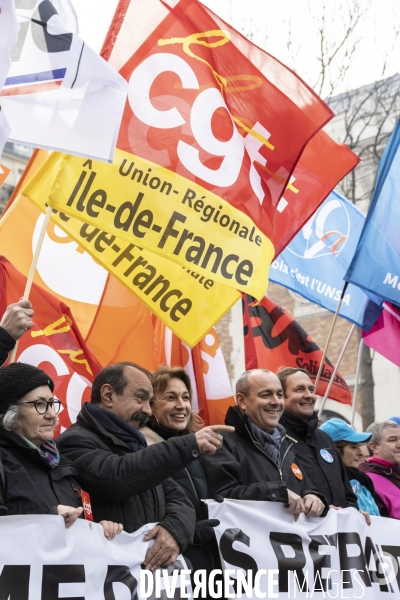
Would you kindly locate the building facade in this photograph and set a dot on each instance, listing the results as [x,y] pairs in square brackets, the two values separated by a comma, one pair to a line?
[15,156]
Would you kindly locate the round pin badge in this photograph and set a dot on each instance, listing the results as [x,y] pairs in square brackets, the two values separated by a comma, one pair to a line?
[296,471]
[327,456]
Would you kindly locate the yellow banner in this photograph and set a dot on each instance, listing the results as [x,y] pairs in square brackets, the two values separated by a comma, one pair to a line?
[150,206]
[185,300]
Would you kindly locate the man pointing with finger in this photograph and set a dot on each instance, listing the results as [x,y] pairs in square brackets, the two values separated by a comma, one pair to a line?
[127,480]
[258,461]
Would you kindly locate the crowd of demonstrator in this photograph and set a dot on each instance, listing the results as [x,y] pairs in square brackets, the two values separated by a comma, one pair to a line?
[144,456]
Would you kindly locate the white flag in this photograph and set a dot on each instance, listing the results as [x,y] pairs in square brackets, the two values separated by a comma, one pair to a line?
[8,36]
[59,94]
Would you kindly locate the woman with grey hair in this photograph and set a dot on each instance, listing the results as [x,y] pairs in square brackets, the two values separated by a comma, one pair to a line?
[36,479]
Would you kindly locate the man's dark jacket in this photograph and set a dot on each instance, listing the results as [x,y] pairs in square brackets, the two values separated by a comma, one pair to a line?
[132,488]
[7,343]
[330,479]
[242,470]
[191,478]
[204,553]
[31,486]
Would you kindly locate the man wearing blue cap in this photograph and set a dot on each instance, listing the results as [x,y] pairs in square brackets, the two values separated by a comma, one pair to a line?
[347,441]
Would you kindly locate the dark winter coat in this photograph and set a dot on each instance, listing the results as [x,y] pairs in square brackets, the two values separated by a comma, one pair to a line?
[329,478]
[7,343]
[242,470]
[132,488]
[3,508]
[191,478]
[31,486]
[204,553]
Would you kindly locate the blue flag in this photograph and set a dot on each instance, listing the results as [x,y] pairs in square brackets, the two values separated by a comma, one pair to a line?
[376,263]
[316,260]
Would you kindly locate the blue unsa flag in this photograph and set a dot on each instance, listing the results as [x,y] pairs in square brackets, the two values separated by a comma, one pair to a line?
[376,263]
[316,260]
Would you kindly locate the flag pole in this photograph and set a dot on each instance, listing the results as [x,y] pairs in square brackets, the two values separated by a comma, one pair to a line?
[353,407]
[328,389]
[321,366]
[32,270]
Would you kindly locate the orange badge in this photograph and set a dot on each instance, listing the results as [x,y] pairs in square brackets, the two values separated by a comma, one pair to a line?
[296,471]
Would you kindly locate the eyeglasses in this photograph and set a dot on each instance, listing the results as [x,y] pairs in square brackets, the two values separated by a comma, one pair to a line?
[42,406]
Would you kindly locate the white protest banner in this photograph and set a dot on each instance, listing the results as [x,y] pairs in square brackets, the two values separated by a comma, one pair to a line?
[271,556]
[42,560]
[59,94]
[268,554]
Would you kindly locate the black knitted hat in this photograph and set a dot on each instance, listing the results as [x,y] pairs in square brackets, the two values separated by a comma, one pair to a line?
[19,379]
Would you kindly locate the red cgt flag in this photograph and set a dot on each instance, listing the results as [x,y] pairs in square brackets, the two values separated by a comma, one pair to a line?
[54,343]
[206,103]
[273,339]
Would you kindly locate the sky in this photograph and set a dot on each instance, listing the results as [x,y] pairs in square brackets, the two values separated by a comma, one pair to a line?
[268,24]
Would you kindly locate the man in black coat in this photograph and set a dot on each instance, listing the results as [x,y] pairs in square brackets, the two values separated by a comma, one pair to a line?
[257,461]
[316,453]
[128,482]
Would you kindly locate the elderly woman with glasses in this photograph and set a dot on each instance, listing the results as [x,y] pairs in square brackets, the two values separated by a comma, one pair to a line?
[35,479]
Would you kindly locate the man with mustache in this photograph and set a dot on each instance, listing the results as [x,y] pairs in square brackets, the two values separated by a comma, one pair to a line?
[123,476]
[257,461]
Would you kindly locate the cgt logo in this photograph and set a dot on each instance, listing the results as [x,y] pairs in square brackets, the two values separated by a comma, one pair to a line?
[87,508]
[325,233]
[189,118]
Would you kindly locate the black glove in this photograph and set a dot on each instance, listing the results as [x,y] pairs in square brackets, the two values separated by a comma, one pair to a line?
[204,531]
[218,498]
